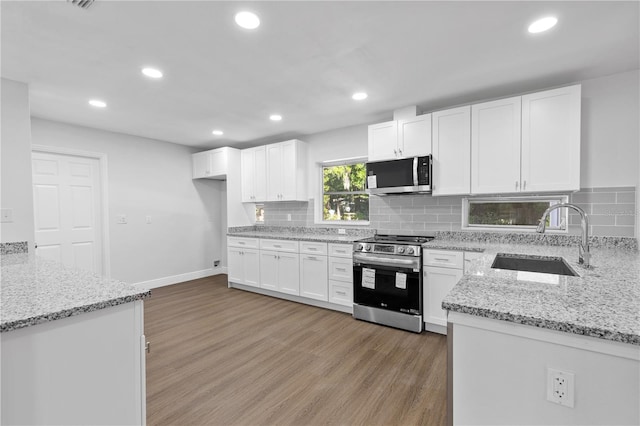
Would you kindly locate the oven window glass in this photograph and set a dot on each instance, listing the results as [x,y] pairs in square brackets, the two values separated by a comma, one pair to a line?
[388,292]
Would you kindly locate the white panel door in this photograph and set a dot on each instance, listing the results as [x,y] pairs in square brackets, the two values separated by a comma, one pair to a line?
[383,141]
[251,265]
[68,220]
[235,262]
[269,270]
[495,146]
[288,168]
[451,144]
[288,273]
[274,172]
[438,282]
[260,173]
[314,277]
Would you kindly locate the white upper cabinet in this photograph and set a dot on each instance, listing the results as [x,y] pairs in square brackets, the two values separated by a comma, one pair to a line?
[400,138]
[212,164]
[495,146]
[286,171]
[383,141]
[551,140]
[254,174]
[527,144]
[452,151]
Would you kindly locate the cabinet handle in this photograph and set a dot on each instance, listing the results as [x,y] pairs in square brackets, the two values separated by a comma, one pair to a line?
[343,293]
[241,242]
[312,249]
[277,245]
[400,151]
[341,269]
[395,152]
[517,185]
[524,185]
[147,347]
[312,258]
[441,259]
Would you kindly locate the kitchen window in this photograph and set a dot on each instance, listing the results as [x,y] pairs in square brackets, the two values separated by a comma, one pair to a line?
[344,199]
[513,213]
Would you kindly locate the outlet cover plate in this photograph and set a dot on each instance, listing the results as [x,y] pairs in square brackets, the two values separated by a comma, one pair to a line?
[560,387]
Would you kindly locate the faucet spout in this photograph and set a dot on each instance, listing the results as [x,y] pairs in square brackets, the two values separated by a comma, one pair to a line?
[584,256]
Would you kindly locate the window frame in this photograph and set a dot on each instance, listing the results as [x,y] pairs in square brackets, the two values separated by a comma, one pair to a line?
[562,213]
[318,210]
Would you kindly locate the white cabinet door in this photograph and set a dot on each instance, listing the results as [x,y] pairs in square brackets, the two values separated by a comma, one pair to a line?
[269,270]
[414,136]
[288,169]
[288,273]
[248,171]
[314,277]
[383,141]
[551,140]
[251,264]
[201,166]
[218,162]
[260,173]
[274,172]
[341,293]
[438,282]
[451,144]
[495,146]
[235,266]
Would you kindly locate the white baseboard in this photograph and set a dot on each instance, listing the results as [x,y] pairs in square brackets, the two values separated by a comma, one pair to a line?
[175,279]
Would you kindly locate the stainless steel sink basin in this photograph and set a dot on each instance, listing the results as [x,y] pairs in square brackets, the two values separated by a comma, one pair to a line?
[541,264]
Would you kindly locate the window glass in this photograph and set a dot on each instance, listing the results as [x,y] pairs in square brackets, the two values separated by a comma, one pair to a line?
[343,193]
[513,213]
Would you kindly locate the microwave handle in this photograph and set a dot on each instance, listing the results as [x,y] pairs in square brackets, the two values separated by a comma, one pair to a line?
[415,171]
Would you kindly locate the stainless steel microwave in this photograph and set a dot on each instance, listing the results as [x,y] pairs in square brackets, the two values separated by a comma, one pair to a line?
[404,175]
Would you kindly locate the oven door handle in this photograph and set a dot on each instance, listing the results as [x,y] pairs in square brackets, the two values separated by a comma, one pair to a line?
[384,261]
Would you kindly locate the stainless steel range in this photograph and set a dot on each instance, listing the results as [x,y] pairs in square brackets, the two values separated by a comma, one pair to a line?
[387,280]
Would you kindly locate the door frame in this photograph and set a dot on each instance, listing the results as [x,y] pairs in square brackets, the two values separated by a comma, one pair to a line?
[104,196]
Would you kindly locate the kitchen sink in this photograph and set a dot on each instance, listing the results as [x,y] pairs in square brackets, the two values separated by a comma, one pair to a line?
[541,264]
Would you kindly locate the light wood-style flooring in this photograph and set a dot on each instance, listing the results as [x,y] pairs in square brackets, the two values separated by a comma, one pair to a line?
[223,356]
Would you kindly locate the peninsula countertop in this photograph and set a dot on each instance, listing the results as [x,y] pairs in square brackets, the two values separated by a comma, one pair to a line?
[35,290]
[603,302]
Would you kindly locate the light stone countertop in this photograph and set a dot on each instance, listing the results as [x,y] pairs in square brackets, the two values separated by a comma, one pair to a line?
[320,238]
[35,290]
[603,302]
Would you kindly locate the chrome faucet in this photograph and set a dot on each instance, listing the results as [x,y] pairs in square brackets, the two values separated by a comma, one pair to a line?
[584,255]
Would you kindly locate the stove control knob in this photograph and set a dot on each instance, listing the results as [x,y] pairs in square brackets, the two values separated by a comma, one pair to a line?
[367,247]
[360,247]
[400,249]
[409,250]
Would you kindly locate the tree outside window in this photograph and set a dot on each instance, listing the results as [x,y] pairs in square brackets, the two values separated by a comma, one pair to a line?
[344,197]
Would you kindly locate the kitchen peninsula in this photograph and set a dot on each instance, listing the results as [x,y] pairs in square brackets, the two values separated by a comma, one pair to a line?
[72,345]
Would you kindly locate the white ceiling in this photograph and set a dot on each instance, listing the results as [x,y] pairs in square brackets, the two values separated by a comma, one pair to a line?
[304,61]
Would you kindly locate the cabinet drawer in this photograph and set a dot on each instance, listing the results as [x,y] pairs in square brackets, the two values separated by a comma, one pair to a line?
[279,245]
[242,242]
[341,250]
[444,258]
[341,269]
[340,293]
[309,247]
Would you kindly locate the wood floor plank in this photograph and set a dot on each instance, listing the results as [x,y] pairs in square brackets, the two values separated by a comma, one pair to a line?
[224,356]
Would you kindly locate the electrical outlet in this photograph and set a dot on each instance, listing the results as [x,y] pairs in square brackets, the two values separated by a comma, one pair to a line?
[289,217]
[121,219]
[560,387]
[342,231]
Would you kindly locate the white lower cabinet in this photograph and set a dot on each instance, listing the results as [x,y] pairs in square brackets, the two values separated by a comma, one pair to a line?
[442,271]
[243,263]
[314,277]
[279,271]
[341,274]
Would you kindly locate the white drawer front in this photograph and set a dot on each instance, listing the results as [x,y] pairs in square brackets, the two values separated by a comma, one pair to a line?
[341,250]
[341,269]
[279,245]
[242,242]
[340,293]
[444,258]
[308,247]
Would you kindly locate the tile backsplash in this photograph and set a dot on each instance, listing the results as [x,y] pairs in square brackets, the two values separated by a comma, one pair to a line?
[612,212]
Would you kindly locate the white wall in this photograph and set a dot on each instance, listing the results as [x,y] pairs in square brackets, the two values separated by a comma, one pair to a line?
[610,130]
[150,178]
[15,150]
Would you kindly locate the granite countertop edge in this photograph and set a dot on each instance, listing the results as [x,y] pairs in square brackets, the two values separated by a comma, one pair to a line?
[336,239]
[66,313]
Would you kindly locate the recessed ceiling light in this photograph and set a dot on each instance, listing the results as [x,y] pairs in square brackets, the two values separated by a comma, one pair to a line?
[275,117]
[218,132]
[97,103]
[152,72]
[359,96]
[543,24]
[247,20]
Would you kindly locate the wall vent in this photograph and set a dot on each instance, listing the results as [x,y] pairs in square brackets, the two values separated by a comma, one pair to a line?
[85,4]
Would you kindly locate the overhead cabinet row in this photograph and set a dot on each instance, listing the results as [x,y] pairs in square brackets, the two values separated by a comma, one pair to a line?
[522,144]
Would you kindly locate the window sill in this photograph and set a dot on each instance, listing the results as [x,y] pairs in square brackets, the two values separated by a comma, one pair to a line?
[339,223]
[505,229]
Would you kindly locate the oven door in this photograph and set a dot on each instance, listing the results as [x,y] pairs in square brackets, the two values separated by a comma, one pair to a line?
[386,286]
